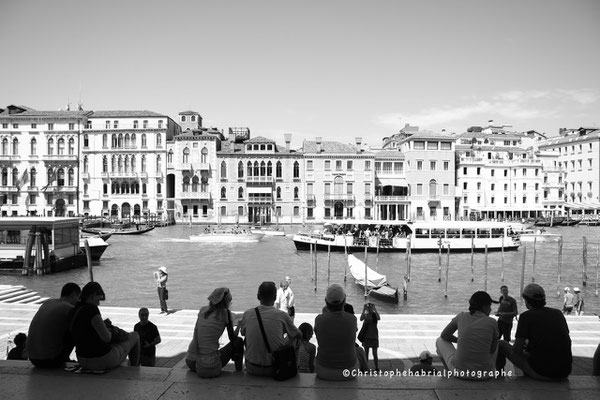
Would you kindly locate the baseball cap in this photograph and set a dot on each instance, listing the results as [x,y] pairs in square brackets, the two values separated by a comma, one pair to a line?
[534,291]
[335,294]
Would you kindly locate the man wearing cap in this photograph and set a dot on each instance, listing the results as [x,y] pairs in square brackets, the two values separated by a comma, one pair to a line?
[336,335]
[567,301]
[161,278]
[477,342]
[542,346]
[425,366]
[276,324]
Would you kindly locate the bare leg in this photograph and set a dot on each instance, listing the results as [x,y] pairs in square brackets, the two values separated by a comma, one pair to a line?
[375,358]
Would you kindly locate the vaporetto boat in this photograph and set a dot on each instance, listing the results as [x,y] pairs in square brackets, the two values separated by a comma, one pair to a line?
[388,236]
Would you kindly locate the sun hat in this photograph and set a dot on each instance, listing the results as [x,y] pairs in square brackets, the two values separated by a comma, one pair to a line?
[576,289]
[425,355]
[335,294]
[567,289]
[163,269]
[534,291]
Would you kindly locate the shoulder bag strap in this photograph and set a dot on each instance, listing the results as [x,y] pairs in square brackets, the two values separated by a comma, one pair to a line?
[262,331]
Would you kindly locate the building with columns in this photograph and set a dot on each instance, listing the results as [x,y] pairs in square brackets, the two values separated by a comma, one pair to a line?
[39,161]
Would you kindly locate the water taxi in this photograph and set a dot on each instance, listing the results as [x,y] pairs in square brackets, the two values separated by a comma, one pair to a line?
[389,236]
[538,235]
[229,236]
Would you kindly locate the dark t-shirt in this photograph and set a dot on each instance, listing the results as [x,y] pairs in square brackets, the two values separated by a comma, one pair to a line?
[549,343]
[147,333]
[508,304]
[87,342]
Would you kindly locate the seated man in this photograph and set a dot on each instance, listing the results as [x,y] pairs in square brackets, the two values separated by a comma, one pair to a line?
[49,343]
[276,323]
[475,353]
[542,346]
[336,336]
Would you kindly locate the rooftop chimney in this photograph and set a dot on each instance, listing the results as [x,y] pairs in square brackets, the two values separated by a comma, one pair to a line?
[319,142]
[358,144]
[288,138]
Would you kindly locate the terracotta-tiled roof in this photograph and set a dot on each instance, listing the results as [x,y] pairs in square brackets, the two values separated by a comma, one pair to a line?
[389,154]
[310,146]
[259,139]
[432,135]
[125,114]
[188,112]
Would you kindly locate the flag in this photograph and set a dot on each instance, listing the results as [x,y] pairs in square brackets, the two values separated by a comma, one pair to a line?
[51,179]
[23,180]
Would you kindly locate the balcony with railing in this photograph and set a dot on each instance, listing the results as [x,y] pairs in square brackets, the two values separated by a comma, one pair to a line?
[9,157]
[391,199]
[260,179]
[311,200]
[8,189]
[260,200]
[121,174]
[194,195]
[59,157]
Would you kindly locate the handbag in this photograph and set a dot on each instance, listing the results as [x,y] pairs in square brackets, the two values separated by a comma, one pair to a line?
[166,294]
[283,360]
[292,311]
[362,333]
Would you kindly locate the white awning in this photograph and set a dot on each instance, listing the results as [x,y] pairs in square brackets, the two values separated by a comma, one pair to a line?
[391,182]
[583,206]
[260,190]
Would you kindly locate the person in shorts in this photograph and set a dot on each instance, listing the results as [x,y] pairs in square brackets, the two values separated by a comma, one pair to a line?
[149,338]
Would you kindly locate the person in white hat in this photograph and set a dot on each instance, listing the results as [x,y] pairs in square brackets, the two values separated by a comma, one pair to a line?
[161,276]
[568,301]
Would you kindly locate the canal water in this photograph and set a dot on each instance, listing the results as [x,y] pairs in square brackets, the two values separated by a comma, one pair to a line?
[126,268]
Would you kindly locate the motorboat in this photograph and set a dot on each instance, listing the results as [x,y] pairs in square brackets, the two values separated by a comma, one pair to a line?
[538,235]
[96,244]
[232,236]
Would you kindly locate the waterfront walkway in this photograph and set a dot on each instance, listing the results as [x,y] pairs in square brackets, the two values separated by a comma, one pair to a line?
[402,338]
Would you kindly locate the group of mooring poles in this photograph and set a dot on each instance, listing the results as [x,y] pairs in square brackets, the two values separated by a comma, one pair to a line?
[36,260]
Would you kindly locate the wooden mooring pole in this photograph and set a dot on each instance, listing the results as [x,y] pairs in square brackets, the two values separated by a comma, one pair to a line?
[560,252]
[534,256]
[584,272]
[447,268]
[523,268]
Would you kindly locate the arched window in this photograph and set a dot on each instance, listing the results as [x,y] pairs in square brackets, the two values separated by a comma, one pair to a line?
[133,140]
[104,164]
[278,170]
[123,188]
[85,164]
[60,175]
[114,188]
[85,188]
[33,149]
[143,188]
[186,155]
[240,169]
[120,165]
[71,146]
[144,144]
[15,147]
[269,169]
[223,169]
[338,185]
[126,164]
[114,142]
[240,193]
[186,183]
[158,163]
[263,169]
[158,188]
[133,164]
[144,164]
[105,188]
[296,169]
[61,147]
[5,147]
[4,177]
[15,177]
[127,141]
[158,140]
[86,141]
[113,167]
[105,140]
[170,156]
[120,141]
[204,155]
[223,193]
[32,177]
[71,177]
[256,169]
[195,181]
[296,193]
[278,193]
[432,188]
[50,146]
[249,171]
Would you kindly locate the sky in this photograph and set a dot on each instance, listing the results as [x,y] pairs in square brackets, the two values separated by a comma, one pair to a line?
[325,68]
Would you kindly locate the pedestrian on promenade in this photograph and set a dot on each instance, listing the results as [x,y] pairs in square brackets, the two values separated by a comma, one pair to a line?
[369,334]
[568,301]
[149,338]
[285,298]
[49,343]
[542,346]
[476,345]
[204,356]
[507,311]
[276,325]
[292,300]
[578,300]
[19,352]
[306,350]
[94,343]
[336,336]
[161,278]
[424,367]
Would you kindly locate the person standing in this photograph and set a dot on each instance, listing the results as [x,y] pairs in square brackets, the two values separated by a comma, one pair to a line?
[578,299]
[284,299]
[161,278]
[149,338]
[49,343]
[369,332]
[542,346]
[292,301]
[568,301]
[507,310]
